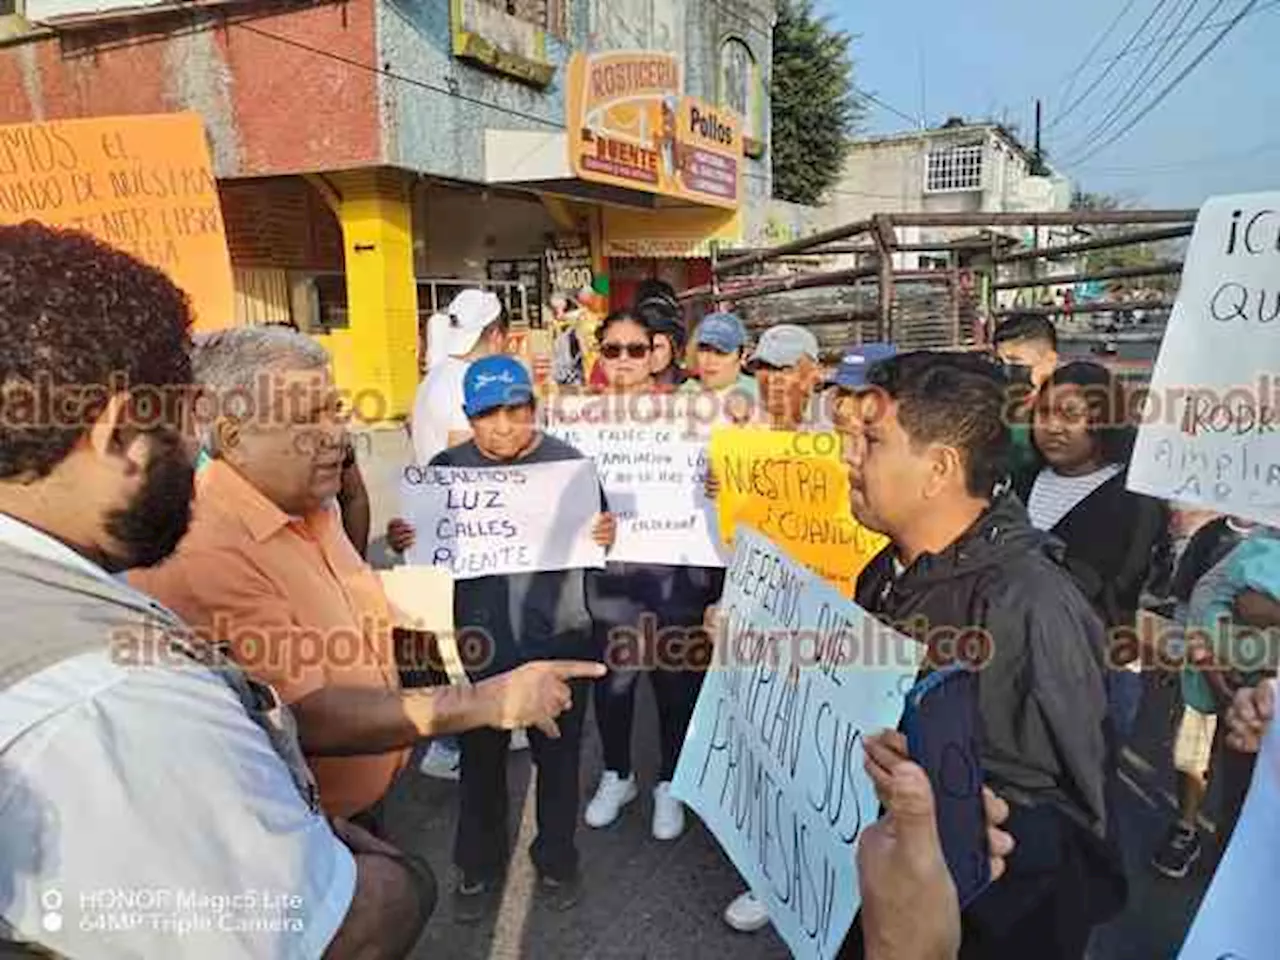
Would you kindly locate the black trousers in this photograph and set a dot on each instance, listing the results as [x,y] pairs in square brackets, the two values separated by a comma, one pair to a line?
[676,694]
[482,845]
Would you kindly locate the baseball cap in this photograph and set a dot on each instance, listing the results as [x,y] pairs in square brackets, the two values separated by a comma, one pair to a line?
[492,382]
[851,374]
[785,345]
[469,313]
[723,332]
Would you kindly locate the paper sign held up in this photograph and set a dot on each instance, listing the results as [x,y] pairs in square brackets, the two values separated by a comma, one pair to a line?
[142,184]
[1237,918]
[772,762]
[651,457]
[494,521]
[794,489]
[1210,423]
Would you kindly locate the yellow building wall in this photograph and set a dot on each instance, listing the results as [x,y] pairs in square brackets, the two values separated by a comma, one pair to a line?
[376,358]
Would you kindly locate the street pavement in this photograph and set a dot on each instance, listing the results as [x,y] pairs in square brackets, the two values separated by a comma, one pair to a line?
[646,900]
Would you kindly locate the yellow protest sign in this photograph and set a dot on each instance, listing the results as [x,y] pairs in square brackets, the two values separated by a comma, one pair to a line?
[794,489]
[143,184]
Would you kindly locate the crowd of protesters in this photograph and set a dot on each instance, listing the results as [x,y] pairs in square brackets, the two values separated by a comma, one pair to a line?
[199,680]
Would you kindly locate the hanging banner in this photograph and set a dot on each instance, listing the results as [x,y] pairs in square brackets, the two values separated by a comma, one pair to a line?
[772,762]
[794,489]
[1209,421]
[142,184]
[630,125]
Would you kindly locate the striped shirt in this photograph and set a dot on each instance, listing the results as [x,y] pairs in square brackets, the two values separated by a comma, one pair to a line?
[1054,496]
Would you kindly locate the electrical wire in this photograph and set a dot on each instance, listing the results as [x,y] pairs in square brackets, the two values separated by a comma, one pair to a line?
[393,75]
[1135,88]
[1183,165]
[1261,8]
[1093,51]
[1173,84]
[1098,80]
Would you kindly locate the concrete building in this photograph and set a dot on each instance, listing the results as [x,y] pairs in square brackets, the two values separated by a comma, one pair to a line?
[956,168]
[373,156]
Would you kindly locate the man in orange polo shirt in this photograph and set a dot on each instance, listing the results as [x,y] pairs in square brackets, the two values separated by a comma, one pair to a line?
[267,570]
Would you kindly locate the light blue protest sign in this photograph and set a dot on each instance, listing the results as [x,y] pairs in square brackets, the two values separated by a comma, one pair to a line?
[1238,919]
[773,759]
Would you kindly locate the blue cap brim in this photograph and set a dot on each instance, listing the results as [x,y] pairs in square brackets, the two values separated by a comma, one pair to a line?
[517,396]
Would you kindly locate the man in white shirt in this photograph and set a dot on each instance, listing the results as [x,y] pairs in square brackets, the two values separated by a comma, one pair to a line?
[476,328]
[156,802]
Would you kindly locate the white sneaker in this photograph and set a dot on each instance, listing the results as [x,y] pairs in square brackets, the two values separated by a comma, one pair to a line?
[747,914]
[668,813]
[612,795]
[443,761]
[519,740]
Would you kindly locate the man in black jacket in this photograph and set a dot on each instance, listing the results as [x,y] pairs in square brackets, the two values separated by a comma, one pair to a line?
[964,562]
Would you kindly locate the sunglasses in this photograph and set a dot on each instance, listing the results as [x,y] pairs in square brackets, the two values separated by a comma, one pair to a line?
[636,351]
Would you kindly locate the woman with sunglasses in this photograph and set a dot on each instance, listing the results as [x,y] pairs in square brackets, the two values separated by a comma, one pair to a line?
[644,614]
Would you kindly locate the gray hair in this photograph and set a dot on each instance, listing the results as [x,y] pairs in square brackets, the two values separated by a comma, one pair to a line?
[230,363]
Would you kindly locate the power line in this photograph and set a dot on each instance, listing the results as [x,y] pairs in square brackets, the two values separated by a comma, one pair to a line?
[1097,82]
[1136,87]
[1177,167]
[1173,84]
[1075,74]
[393,75]
[890,107]
[1261,8]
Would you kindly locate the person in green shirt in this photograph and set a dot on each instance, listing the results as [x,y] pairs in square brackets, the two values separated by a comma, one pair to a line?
[1027,345]
[721,342]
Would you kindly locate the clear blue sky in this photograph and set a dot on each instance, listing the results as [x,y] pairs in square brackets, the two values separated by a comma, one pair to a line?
[1217,132]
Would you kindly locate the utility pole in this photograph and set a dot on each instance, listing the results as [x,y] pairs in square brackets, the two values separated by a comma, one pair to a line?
[1039,153]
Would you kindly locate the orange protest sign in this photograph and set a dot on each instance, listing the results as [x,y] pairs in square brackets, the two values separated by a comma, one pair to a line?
[794,489]
[142,184]
[630,125]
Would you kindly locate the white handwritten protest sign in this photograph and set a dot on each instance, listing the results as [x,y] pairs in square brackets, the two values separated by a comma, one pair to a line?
[1209,429]
[773,762]
[1238,919]
[499,520]
[650,453]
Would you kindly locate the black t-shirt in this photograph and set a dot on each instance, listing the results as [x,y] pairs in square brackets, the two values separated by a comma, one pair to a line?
[526,616]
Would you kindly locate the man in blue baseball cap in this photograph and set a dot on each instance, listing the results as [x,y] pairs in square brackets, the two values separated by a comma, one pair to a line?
[849,383]
[524,617]
[721,342]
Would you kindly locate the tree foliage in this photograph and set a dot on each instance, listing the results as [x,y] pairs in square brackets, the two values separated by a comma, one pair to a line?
[1134,255]
[815,108]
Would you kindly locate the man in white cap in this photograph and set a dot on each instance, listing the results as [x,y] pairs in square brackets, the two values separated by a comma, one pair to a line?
[477,328]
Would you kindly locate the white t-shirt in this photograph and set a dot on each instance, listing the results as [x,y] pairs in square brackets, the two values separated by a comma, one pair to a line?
[144,814]
[437,409]
[1053,496]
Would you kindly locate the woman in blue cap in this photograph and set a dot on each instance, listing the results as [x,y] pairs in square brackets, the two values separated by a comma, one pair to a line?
[721,343]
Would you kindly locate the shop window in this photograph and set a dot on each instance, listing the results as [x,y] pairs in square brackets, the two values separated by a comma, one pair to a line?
[330,303]
[10,7]
[954,169]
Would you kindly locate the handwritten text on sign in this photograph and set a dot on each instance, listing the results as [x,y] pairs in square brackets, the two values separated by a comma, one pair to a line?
[650,454]
[1209,433]
[502,520]
[793,488]
[1238,919]
[141,184]
[773,759]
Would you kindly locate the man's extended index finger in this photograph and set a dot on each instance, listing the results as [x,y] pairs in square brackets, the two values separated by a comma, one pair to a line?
[573,669]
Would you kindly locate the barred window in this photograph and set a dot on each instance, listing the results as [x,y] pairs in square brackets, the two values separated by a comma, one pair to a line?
[954,169]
